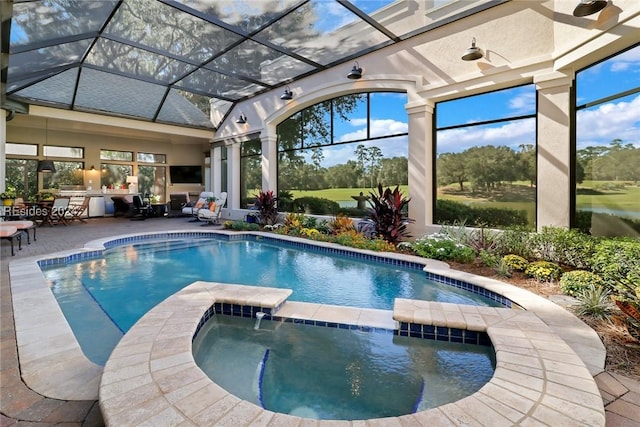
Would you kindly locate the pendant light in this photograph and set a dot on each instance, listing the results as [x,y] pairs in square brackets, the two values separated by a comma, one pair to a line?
[46,165]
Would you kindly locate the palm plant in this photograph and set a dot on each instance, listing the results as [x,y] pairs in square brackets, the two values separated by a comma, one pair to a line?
[267,206]
[387,214]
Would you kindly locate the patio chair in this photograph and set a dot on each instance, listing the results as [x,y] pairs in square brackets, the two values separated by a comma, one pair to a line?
[177,201]
[212,214]
[121,206]
[140,210]
[11,233]
[77,210]
[192,209]
[57,212]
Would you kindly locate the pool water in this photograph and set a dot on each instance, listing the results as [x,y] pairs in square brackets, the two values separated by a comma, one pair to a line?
[111,293]
[332,373]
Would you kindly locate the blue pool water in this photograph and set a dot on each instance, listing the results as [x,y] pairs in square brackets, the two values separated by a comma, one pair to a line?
[111,293]
[331,373]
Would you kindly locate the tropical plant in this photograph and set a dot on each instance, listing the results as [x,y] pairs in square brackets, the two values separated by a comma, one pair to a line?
[267,207]
[387,214]
[594,301]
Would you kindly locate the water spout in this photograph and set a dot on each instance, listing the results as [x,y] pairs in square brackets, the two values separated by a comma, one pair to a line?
[259,316]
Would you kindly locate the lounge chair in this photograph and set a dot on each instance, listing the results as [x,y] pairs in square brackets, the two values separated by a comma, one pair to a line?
[22,225]
[11,233]
[212,214]
[192,209]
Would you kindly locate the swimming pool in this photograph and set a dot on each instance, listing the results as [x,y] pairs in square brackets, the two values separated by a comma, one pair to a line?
[110,293]
[337,373]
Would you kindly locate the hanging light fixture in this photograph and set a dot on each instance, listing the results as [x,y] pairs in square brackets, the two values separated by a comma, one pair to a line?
[46,165]
[356,72]
[589,7]
[287,95]
[473,52]
[242,119]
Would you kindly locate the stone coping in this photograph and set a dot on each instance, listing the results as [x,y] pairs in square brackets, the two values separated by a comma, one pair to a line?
[151,377]
[53,364]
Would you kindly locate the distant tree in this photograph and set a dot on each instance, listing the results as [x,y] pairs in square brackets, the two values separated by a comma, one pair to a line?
[452,168]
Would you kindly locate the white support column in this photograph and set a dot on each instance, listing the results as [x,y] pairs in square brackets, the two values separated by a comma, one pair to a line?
[421,164]
[269,162]
[216,169]
[554,150]
[3,149]
[233,176]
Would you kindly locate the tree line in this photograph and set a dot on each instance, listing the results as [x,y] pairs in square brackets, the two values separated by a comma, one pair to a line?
[487,167]
[615,162]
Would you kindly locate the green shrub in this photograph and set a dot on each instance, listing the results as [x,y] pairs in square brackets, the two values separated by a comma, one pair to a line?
[515,262]
[543,271]
[450,212]
[617,261]
[516,241]
[437,246]
[576,282]
[489,258]
[316,205]
[594,301]
[240,226]
[564,246]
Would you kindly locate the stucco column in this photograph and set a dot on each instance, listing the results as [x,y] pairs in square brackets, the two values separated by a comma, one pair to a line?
[421,149]
[3,148]
[269,162]
[554,149]
[233,176]
[216,169]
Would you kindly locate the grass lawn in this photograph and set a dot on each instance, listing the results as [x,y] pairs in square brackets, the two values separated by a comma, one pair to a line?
[338,194]
[591,194]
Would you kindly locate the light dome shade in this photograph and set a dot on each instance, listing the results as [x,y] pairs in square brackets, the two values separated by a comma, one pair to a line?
[355,73]
[46,166]
[589,7]
[472,53]
[287,95]
[242,119]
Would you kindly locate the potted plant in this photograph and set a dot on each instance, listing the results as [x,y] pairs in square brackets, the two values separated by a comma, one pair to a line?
[8,196]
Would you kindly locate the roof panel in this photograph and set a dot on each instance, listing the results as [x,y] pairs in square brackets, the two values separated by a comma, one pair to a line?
[46,58]
[100,91]
[247,15]
[185,107]
[218,85]
[57,89]
[154,24]
[323,32]
[259,62]
[137,62]
[38,21]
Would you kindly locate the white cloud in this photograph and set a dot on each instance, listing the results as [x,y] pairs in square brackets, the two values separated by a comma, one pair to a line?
[511,134]
[614,120]
[524,103]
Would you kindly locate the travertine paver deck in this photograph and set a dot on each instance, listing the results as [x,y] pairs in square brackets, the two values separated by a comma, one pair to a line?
[19,402]
[538,378]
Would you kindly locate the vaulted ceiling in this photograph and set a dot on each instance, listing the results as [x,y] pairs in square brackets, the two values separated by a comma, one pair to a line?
[171,61]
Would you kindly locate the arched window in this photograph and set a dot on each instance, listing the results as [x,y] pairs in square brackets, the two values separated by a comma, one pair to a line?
[339,148]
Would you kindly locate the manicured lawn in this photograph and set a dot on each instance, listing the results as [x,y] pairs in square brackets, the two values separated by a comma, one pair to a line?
[338,194]
[594,194]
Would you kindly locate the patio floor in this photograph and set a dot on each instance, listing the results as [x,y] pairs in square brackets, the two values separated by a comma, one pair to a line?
[20,405]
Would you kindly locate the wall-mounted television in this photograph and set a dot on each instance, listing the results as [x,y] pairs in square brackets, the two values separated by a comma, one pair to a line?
[185,174]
